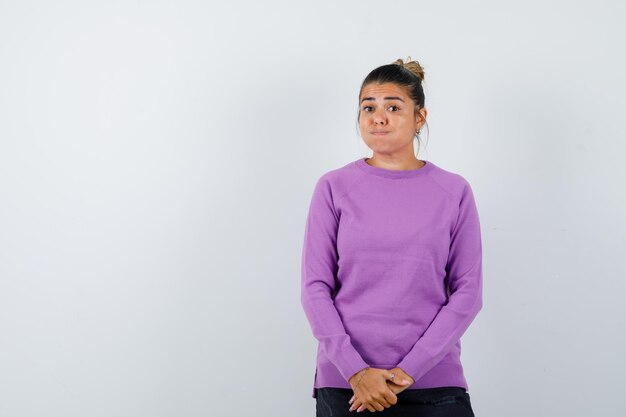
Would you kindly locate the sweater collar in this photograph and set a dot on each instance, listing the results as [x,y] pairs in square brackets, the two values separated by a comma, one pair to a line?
[393,173]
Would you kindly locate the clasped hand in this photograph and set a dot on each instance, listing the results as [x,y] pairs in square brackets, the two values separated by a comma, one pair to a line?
[374,391]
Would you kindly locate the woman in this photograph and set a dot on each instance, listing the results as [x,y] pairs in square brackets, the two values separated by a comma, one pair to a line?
[391,266]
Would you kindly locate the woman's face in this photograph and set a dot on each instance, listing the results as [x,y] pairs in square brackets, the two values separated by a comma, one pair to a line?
[387,119]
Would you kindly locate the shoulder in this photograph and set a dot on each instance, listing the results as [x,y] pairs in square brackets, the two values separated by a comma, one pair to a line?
[452,182]
[338,181]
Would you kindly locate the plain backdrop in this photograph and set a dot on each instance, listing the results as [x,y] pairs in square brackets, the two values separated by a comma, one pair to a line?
[157,160]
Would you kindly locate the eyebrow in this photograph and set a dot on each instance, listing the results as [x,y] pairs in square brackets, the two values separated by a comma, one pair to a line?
[386,98]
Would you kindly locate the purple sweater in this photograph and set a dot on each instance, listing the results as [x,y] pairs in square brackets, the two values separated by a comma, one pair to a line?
[391,272]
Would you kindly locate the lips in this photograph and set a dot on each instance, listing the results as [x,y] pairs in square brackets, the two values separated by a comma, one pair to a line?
[380,132]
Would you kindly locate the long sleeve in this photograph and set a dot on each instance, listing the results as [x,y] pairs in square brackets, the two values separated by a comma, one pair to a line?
[319,268]
[464,275]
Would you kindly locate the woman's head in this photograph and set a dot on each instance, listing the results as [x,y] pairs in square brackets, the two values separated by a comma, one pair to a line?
[391,107]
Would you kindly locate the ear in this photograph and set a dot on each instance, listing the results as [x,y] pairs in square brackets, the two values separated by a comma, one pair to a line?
[420,117]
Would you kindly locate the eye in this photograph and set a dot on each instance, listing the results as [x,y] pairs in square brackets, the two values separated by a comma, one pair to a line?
[365,108]
[395,107]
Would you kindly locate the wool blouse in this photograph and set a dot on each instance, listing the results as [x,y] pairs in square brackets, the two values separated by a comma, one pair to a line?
[391,272]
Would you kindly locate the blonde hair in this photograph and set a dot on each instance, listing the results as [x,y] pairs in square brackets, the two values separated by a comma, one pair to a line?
[414,66]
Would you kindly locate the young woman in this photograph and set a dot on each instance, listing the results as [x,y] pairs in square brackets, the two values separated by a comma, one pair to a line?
[391,266]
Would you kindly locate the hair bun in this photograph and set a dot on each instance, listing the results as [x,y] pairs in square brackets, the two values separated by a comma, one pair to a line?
[412,66]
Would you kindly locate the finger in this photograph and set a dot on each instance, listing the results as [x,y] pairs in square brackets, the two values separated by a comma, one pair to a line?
[393,387]
[355,405]
[397,380]
[385,397]
[383,401]
[372,407]
[366,406]
[390,398]
[378,406]
[400,382]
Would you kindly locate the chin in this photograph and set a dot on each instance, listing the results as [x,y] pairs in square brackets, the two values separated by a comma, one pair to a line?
[382,146]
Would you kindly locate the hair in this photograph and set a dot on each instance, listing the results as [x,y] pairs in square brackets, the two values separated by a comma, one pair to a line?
[409,75]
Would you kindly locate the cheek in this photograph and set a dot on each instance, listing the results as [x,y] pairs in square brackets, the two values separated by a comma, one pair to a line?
[405,122]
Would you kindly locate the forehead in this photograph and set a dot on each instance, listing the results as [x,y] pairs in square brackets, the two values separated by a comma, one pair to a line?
[381,90]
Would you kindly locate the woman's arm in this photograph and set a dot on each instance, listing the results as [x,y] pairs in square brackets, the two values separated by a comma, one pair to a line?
[319,267]
[464,272]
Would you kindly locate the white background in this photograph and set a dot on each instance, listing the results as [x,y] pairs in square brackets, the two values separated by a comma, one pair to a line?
[156,164]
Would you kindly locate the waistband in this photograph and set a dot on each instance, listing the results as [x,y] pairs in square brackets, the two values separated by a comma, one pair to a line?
[420,394]
[431,393]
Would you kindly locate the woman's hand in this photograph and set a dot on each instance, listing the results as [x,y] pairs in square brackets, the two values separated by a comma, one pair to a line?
[400,382]
[369,385]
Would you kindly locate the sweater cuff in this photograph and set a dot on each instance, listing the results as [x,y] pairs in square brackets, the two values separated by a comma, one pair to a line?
[350,363]
[416,363]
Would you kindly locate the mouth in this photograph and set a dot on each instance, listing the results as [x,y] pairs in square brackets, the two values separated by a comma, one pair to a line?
[379,133]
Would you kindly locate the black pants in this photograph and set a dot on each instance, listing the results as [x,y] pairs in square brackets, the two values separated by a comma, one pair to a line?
[426,402]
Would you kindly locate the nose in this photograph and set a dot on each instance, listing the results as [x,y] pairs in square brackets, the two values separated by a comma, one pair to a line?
[379,117]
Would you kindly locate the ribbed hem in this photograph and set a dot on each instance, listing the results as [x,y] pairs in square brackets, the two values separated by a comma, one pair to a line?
[446,373]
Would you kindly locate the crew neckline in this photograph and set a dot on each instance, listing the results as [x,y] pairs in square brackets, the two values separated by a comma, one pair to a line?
[393,173]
